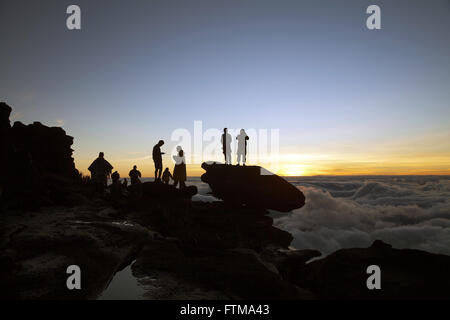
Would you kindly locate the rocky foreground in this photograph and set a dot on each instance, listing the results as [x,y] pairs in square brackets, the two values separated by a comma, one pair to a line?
[207,252]
[51,218]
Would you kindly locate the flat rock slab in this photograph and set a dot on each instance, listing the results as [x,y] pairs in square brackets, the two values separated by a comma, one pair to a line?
[252,186]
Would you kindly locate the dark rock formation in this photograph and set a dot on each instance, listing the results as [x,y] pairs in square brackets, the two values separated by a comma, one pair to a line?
[247,186]
[5,127]
[213,225]
[405,274]
[37,248]
[49,148]
[240,274]
[161,191]
[37,163]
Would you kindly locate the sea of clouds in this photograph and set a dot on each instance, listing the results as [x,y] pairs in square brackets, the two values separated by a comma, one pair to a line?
[349,212]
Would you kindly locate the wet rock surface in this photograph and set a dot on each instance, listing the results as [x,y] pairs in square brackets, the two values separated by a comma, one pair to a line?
[37,248]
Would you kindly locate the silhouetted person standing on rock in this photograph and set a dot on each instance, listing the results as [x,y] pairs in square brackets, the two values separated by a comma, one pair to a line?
[100,170]
[179,171]
[166,176]
[226,145]
[242,147]
[157,159]
[134,176]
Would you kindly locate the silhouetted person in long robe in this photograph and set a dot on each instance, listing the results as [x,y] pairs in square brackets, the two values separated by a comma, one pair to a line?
[226,145]
[100,170]
[134,176]
[157,159]
[179,171]
[242,147]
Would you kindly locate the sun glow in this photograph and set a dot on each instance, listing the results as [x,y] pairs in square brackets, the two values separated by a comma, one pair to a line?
[293,170]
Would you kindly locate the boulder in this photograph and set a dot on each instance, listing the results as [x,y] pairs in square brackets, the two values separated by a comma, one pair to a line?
[39,163]
[49,148]
[252,186]
[405,274]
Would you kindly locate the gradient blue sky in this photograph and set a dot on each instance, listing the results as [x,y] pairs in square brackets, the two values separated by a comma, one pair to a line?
[346,99]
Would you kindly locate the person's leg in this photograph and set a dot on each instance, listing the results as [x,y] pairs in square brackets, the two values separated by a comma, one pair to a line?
[182,184]
[160,172]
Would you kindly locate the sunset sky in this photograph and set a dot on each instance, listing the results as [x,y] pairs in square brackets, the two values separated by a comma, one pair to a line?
[346,100]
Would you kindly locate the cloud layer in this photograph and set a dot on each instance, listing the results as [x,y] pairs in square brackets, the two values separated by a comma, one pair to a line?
[407,212]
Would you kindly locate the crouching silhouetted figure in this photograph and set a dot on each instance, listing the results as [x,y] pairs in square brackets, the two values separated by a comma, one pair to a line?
[179,171]
[135,174]
[116,186]
[166,176]
[100,170]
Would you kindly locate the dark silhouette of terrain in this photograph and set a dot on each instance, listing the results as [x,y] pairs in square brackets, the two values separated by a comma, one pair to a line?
[37,164]
[51,219]
[405,274]
[250,187]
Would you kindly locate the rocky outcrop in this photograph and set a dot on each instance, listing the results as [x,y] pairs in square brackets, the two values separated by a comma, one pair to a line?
[211,225]
[5,128]
[49,148]
[161,191]
[252,186]
[239,274]
[37,248]
[405,274]
[37,163]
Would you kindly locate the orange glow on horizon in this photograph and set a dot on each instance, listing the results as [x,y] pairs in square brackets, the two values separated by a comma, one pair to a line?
[310,167]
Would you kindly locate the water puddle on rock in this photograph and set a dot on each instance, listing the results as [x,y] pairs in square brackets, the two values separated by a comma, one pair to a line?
[123,286]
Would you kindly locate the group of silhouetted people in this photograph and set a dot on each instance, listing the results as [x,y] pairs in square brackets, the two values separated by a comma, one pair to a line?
[242,138]
[179,171]
[101,169]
